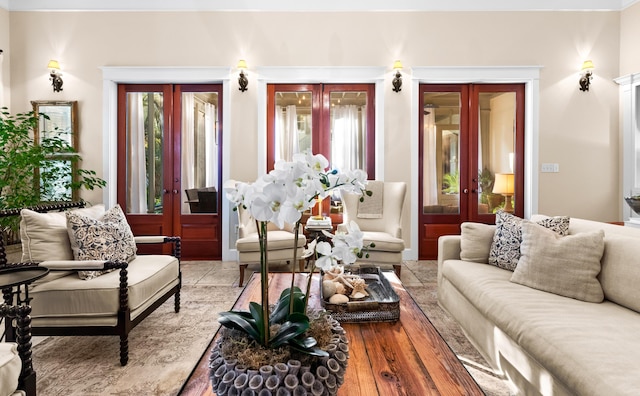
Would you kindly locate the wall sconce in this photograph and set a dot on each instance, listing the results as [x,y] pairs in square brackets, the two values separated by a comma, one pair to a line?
[397,79]
[503,185]
[586,75]
[242,80]
[54,75]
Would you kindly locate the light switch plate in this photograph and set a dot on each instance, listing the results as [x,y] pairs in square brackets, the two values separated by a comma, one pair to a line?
[550,168]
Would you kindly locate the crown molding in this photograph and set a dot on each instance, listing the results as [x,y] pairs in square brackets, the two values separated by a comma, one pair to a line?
[316,6]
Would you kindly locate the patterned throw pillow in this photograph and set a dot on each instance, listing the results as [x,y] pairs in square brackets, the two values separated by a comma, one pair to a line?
[108,238]
[505,247]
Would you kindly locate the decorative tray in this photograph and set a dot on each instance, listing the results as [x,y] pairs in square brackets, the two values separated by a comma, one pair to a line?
[382,304]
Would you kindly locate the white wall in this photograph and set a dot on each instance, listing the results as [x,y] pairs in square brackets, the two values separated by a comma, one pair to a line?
[578,130]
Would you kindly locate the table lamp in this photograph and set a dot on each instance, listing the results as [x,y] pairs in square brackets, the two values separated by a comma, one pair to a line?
[503,185]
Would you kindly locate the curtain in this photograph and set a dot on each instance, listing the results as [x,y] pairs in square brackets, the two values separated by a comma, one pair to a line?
[286,132]
[348,148]
[137,171]
[430,173]
[187,160]
[211,144]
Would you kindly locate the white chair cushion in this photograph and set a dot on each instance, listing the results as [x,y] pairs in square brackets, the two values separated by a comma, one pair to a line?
[276,240]
[71,296]
[10,366]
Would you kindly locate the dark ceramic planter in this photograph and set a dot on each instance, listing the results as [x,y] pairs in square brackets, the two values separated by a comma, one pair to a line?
[634,203]
[323,377]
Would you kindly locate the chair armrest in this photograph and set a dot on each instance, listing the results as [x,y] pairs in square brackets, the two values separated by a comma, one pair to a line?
[161,239]
[81,265]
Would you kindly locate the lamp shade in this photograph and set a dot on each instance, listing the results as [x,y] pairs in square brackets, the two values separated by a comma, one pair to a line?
[397,65]
[503,183]
[53,64]
[587,65]
[242,64]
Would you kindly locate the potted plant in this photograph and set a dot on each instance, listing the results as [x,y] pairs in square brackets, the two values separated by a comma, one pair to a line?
[32,173]
[286,334]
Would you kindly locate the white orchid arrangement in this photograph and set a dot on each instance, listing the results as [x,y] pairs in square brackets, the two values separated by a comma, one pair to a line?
[280,197]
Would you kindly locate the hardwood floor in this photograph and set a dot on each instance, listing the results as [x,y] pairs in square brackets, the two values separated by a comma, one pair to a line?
[407,357]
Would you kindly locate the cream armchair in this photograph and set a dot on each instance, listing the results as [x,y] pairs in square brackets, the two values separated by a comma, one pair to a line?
[280,243]
[381,223]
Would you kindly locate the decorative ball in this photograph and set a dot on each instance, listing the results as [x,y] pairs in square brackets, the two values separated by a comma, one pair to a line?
[328,288]
[338,299]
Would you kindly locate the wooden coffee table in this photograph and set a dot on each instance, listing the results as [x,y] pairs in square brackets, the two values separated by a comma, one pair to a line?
[408,357]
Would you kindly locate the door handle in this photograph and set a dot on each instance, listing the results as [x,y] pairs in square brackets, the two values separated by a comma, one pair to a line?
[175,191]
[165,191]
[466,191]
[475,191]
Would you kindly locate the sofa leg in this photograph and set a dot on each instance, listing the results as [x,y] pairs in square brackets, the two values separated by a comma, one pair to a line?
[242,268]
[397,268]
[177,302]
[124,350]
[301,264]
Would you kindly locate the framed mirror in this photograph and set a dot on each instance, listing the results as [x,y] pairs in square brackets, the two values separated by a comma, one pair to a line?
[61,122]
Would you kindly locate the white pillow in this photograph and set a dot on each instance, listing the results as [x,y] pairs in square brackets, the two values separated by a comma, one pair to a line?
[44,235]
[563,265]
[475,241]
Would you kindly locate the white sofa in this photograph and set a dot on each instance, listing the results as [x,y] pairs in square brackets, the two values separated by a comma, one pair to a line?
[546,343]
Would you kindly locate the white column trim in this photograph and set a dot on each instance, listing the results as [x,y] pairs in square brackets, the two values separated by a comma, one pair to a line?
[629,85]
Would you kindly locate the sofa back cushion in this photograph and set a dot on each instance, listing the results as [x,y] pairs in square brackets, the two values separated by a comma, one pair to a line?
[475,241]
[44,235]
[620,274]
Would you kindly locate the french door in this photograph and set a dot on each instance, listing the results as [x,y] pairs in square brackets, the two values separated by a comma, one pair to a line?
[335,120]
[169,150]
[471,153]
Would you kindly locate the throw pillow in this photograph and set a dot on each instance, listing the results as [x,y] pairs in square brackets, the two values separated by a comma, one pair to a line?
[475,241]
[620,275]
[563,265]
[108,238]
[505,248]
[44,235]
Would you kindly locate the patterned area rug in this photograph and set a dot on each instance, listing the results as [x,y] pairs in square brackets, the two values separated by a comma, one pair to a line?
[165,347]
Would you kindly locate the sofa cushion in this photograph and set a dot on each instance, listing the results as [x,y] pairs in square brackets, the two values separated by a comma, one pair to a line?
[505,247]
[475,241]
[620,275]
[44,235]
[107,238]
[71,296]
[567,265]
[10,366]
[591,348]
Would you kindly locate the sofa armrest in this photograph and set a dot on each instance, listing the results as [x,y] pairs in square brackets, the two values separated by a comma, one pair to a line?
[161,239]
[448,249]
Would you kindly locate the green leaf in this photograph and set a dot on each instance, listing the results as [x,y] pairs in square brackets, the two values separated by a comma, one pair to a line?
[302,345]
[241,321]
[296,325]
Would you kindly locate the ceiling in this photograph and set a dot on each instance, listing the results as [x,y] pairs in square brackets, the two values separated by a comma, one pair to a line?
[316,6]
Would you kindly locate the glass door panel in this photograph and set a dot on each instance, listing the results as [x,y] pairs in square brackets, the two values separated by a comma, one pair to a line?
[293,123]
[199,152]
[496,151]
[144,152]
[348,118]
[441,153]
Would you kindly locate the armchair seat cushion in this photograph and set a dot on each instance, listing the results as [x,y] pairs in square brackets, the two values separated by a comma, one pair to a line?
[383,241]
[10,366]
[70,296]
[276,240]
